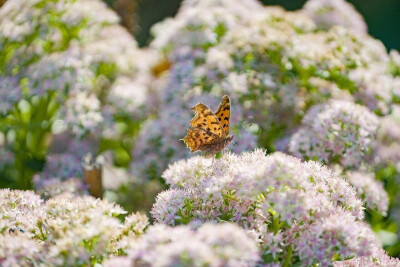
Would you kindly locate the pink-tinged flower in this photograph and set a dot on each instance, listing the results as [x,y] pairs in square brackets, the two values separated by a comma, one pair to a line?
[379,259]
[64,230]
[62,49]
[19,211]
[169,205]
[387,148]
[337,235]
[370,190]
[133,227]
[277,197]
[336,132]
[19,250]
[210,245]
[327,14]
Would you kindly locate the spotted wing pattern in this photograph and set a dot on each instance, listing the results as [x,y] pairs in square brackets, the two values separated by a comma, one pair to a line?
[198,139]
[205,119]
[223,113]
[206,132]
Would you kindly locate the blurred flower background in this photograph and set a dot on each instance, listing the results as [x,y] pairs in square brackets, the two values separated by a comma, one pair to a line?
[96,95]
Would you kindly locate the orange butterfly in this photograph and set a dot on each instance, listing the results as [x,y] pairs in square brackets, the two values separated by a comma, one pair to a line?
[208,132]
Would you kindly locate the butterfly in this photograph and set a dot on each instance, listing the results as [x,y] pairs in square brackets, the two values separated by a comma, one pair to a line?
[209,131]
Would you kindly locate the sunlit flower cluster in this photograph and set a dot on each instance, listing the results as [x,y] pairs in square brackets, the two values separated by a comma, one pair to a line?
[19,211]
[73,48]
[381,259]
[284,201]
[370,190]
[327,14]
[18,250]
[387,150]
[209,245]
[336,132]
[64,230]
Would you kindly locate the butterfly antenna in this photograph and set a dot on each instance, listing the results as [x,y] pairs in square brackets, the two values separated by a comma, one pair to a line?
[234,143]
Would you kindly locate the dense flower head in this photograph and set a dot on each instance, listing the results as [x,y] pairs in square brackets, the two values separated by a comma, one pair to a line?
[134,226]
[79,226]
[260,192]
[19,211]
[370,190]
[335,236]
[204,23]
[387,149]
[64,230]
[62,47]
[209,245]
[335,132]
[327,14]
[18,250]
[379,259]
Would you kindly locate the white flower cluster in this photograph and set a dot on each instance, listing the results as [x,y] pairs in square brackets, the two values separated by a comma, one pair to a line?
[327,14]
[336,132]
[76,49]
[293,207]
[370,190]
[64,230]
[210,245]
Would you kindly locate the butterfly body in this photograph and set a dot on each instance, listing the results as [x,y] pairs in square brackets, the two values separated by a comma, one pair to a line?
[208,131]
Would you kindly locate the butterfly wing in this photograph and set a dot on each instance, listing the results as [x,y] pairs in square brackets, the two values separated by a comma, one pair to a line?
[206,120]
[198,139]
[224,113]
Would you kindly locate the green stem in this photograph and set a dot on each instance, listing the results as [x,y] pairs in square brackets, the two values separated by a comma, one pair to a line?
[286,263]
[34,148]
[276,224]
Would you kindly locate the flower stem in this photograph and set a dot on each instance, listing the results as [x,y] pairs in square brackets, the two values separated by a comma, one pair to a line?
[288,256]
